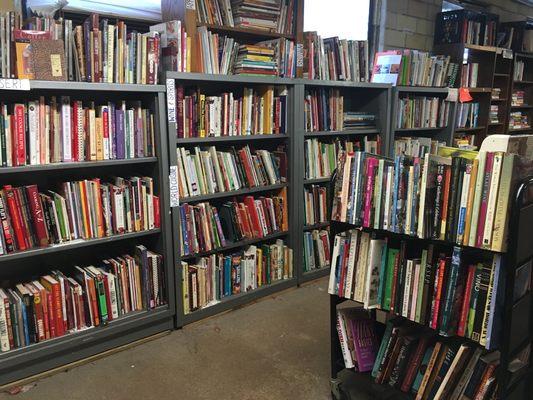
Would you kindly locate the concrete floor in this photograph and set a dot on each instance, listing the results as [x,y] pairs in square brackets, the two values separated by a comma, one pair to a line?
[277,348]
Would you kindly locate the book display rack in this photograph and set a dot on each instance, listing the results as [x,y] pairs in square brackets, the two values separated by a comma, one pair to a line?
[84,339]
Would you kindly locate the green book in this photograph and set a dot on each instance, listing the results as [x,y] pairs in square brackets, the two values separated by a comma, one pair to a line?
[382,348]
[473,300]
[423,262]
[389,278]
[383,273]
[60,215]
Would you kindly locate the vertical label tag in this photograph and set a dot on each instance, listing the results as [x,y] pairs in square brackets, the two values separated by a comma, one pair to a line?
[453,95]
[173,185]
[171,100]
[299,55]
[190,4]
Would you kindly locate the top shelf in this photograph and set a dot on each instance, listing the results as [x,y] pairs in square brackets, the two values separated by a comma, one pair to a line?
[89,86]
[238,31]
[422,89]
[348,84]
[222,78]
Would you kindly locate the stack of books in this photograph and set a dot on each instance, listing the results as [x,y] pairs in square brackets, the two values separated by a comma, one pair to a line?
[258,111]
[519,120]
[494,114]
[358,119]
[211,279]
[466,26]
[61,303]
[323,110]
[416,146]
[420,68]
[496,93]
[205,227]
[175,46]
[208,171]
[454,294]
[315,205]
[271,16]
[467,115]
[255,60]
[335,59]
[422,112]
[518,98]
[54,130]
[316,250]
[459,196]
[469,75]
[86,209]
[518,74]
[284,56]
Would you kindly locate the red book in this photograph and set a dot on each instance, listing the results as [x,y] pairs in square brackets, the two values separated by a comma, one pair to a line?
[6,228]
[44,301]
[53,286]
[19,124]
[246,220]
[371,165]
[466,300]
[247,168]
[438,293]
[157,212]
[15,217]
[484,199]
[342,281]
[37,215]
[51,314]
[75,133]
[254,217]
[24,212]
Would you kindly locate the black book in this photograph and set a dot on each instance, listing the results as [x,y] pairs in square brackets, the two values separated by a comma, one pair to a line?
[451,351]
[226,216]
[475,380]
[452,197]
[481,302]
[439,188]
[429,281]
[400,366]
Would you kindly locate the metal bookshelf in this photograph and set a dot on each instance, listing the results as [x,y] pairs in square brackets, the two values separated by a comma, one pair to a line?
[358,96]
[17,267]
[216,84]
[517,323]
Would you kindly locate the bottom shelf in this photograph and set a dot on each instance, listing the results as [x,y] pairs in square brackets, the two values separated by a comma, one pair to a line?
[40,357]
[351,385]
[230,302]
[314,274]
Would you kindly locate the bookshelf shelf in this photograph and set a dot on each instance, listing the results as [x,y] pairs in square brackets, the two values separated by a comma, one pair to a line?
[422,89]
[354,132]
[230,302]
[347,84]
[99,87]
[186,78]
[69,348]
[314,181]
[222,139]
[523,82]
[241,192]
[419,129]
[522,106]
[521,129]
[320,225]
[75,244]
[477,128]
[76,165]
[314,274]
[237,31]
[235,245]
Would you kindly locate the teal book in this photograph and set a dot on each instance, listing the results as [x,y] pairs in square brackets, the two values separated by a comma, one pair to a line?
[422,369]
[383,272]
[389,276]
[382,348]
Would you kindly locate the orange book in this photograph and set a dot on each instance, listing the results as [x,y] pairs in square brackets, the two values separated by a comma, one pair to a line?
[85,209]
[285,223]
[100,208]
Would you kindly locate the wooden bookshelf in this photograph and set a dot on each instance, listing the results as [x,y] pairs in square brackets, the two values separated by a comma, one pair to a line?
[20,266]
[526,85]
[502,80]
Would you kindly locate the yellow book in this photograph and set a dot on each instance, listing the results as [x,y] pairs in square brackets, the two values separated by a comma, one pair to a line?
[499,228]
[99,132]
[92,135]
[259,267]
[188,55]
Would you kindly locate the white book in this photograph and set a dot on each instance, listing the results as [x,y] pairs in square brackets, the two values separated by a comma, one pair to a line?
[407,288]
[416,293]
[378,194]
[33,133]
[333,284]
[463,203]
[181,174]
[350,269]
[66,139]
[372,274]
[4,337]
[422,198]
[388,198]
[409,206]
[343,339]
[493,196]
[362,265]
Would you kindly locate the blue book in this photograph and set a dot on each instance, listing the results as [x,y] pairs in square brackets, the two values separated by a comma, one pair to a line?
[227,276]
[184,234]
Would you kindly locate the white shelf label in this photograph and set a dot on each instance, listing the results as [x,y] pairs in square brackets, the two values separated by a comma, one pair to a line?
[171,100]
[453,95]
[507,53]
[14,84]
[299,55]
[190,4]
[173,184]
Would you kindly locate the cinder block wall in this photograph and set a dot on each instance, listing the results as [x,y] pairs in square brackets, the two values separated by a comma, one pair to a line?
[410,23]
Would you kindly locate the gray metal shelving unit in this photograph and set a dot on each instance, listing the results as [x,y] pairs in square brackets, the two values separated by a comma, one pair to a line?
[23,362]
[444,134]
[358,96]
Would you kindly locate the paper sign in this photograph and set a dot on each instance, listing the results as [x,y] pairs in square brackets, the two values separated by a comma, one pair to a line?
[464,95]
[15,84]
[171,100]
[190,4]
[453,95]
[299,55]
[173,185]
[507,53]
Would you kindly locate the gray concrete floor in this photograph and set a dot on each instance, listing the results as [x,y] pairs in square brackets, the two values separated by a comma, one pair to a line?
[277,348]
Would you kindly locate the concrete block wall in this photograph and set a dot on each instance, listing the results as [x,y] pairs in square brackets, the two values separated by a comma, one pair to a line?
[410,23]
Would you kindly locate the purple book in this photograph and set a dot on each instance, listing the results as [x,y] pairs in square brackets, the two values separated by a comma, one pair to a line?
[365,343]
[113,130]
[121,149]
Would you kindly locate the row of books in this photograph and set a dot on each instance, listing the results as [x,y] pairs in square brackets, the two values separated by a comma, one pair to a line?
[315,205]
[316,250]
[518,72]
[415,361]
[422,112]
[273,16]
[55,130]
[257,111]
[517,98]
[323,110]
[519,120]
[454,294]
[469,75]
[61,303]
[175,46]
[220,54]
[466,26]
[416,146]
[211,279]
[335,59]
[420,68]
[459,196]
[321,157]
[208,171]
[467,115]
[494,114]
[205,227]
[86,209]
